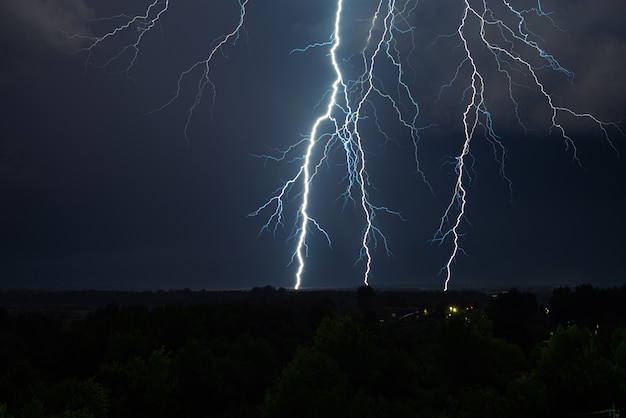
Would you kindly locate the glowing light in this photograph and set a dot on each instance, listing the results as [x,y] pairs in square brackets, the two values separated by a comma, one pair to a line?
[477,114]
[344,112]
[491,31]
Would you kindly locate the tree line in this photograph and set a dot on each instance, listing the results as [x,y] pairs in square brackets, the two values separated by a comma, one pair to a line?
[279,354]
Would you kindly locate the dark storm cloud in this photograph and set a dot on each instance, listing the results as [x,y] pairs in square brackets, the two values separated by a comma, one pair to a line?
[37,23]
[99,194]
[586,37]
[597,46]
[33,30]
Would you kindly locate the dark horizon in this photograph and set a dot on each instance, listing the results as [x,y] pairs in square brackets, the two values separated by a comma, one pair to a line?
[488,288]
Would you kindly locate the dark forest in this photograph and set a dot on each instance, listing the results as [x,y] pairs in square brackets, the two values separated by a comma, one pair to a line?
[277,353]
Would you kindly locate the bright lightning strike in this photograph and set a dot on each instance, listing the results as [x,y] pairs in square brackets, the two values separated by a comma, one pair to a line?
[493,33]
[497,48]
[346,108]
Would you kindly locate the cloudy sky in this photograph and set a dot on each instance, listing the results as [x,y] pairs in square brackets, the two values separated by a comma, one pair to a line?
[101,192]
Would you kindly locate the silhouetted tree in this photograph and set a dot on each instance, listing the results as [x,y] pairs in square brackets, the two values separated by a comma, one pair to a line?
[200,382]
[140,386]
[365,300]
[4,413]
[514,315]
[311,385]
[479,402]
[577,377]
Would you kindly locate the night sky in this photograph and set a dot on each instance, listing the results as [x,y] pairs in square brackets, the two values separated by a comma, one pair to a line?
[97,192]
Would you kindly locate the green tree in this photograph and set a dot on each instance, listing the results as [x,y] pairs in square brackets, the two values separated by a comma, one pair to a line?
[35,408]
[311,385]
[619,364]
[124,345]
[514,315]
[70,398]
[463,350]
[479,402]
[4,413]
[354,347]
[248,367]
[576,376]
[199,379]
[365,300]
[528,394]
[140,386]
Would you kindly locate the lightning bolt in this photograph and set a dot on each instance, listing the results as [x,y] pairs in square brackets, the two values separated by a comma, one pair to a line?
[345,112]
[138,27]
[205,67]
[507,60]
[495,41]
[500,40]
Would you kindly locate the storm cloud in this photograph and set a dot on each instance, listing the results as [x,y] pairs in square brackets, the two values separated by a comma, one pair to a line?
[96,191]
[50,23]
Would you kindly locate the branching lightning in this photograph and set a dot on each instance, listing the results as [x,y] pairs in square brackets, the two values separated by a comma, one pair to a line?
[141,25]
[476,112]
[496,43]
[345,110]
